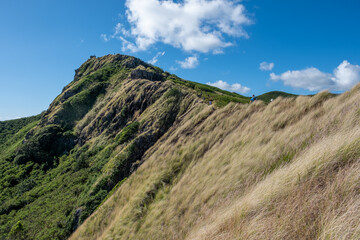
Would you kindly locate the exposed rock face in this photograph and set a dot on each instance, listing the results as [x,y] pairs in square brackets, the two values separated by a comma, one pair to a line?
[144,74]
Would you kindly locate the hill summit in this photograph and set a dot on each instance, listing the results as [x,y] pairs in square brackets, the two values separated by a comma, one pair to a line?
[128,151]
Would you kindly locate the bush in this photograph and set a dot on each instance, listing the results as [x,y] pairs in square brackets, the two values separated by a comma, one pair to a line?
[127,133]
[44,146]
[17,232]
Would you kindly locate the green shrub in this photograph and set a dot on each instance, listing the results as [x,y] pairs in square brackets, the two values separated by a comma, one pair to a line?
[127,133]
[45,145]
[173,92]
[17,232]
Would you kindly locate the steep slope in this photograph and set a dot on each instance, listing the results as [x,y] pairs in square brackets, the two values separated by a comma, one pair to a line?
[56,171]
[286,170]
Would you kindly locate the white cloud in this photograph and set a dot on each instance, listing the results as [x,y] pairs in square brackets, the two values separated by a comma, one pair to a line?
[190,62]
[344,77]
[236,87]
[156,58]
[191,25]
[119,29]
[126,45]
[265,66]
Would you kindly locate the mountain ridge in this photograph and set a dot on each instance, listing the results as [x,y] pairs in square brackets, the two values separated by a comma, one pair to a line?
[91,138]
[130,151]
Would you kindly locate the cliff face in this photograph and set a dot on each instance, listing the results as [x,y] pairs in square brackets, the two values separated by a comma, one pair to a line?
[57,171]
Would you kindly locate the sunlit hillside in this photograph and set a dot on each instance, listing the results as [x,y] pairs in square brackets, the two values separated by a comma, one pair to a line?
[128,151]
[286,170]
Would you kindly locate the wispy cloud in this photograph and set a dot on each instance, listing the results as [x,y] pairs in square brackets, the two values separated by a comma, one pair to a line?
[236,87]
[265,66]
[192,25]
[119,31]
[172,68]
[190,62]
[104,37]
[155,59]
[343,78]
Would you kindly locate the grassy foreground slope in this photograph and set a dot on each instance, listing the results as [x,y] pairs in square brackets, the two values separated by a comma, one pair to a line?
[59,168]
[286,170]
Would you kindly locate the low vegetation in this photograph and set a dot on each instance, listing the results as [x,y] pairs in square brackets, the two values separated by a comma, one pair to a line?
[9,128]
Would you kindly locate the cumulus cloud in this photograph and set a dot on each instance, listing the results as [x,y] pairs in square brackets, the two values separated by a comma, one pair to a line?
[343,78]
[236,87]
[265,66]
[190,62]
[156,58]
[346,75]
[191,25]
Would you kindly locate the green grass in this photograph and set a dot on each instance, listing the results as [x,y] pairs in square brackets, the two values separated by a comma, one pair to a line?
[128,133]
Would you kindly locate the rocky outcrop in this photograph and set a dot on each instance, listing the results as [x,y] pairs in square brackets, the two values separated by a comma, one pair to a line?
[144,74]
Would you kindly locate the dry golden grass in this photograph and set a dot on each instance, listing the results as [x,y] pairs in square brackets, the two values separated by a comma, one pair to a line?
[287,170]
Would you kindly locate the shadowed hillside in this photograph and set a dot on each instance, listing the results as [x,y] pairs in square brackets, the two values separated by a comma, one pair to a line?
[286,170]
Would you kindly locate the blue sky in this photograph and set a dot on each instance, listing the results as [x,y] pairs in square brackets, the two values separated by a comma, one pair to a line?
[303,46]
